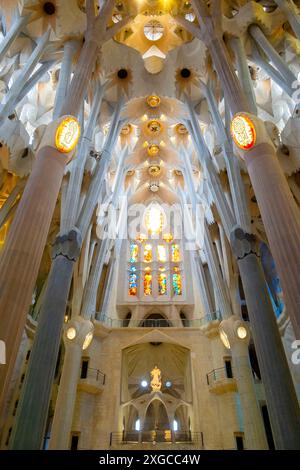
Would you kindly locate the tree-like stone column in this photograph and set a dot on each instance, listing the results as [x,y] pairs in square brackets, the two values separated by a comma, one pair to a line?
[60,432]
[278,208]
[279,388]
[34,403]
[255,437]
[23,250]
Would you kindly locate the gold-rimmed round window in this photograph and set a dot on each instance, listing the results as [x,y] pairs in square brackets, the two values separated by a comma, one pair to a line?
[67,134]
[153,30]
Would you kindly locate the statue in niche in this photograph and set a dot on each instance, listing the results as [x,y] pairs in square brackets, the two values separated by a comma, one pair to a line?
[156,379]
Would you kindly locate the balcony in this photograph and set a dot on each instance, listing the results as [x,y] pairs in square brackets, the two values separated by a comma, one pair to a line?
[94,381]
[208,322]
[221,381]
[162,439]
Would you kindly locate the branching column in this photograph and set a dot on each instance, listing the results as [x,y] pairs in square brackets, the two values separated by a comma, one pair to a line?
[23,250]
[278,208]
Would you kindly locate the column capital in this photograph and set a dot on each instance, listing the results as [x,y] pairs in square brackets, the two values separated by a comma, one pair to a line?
[235,333]
[68,245]
[79,332]
[242,243]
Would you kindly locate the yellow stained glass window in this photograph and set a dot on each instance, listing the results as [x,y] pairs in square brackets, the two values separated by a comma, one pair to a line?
[168,237]
[148,253]
[148,283]
[154,219]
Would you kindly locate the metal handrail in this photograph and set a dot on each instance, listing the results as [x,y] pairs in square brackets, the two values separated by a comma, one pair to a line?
[160,436]
[95,374]
[159,322]
[217,374]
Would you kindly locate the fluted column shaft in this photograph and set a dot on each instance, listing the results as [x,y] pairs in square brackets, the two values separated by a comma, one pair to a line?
[22,253]
[12,96]
[271,53]
[279,389]
[34,403]
[64,76]
[12,34]
[91,288]
[281,219]
[66,398]
[243,72]
[255,438]
[204,289]
[220,287]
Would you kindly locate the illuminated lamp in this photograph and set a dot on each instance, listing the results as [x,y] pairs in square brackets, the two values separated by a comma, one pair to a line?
[71,333]
[67,134]
[224,338]
[88,340]
[241,332]
[243,131]
[153,101]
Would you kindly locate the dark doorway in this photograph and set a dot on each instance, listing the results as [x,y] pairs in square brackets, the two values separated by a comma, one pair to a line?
[228,369]
[74,441]
[84,368]
[239,442]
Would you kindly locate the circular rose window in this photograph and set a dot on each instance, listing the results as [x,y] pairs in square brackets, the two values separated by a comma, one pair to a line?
[153,30]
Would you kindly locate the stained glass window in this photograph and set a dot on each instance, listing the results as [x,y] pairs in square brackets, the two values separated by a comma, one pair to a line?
[175,253]
[133,281]
[134,252]
[148,253]
[168,237]
[162,282]
[154,219]
[148,283]
[161,253]
[176,281]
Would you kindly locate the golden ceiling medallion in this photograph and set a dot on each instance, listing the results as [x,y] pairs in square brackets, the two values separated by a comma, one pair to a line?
[154,170]
[126,130]
[153,101]
[181,129]
[154,127]
[153,150]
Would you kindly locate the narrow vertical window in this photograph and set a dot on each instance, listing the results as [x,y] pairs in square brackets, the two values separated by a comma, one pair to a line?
[148,283]
[175,254]
[148,253]
[162,282]
[161,253]
[134,253]
[133,281]
[176,281]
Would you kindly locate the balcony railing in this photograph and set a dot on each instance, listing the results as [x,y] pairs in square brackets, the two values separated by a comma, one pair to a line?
[218,374]
[92,381]
[96,375]
[159,322]
[157,436]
